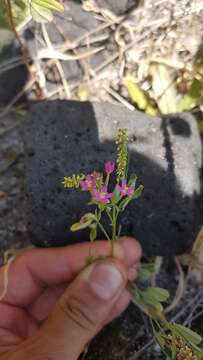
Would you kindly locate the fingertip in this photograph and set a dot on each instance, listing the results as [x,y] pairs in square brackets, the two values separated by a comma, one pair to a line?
[132,273]
[132,250]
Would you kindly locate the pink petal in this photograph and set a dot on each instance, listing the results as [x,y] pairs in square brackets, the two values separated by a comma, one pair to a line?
[83,185]
[124,182]
[104,189]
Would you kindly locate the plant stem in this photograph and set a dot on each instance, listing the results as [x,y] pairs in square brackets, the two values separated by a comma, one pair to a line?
[22,47]
[114,218]
[107,179]
[104,231]
[109,216]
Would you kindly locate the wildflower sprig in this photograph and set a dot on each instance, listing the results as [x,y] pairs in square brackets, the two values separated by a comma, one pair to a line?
[110,194]
[112,203]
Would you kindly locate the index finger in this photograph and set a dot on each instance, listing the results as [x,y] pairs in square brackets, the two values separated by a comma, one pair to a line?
[37,269]
[34,270]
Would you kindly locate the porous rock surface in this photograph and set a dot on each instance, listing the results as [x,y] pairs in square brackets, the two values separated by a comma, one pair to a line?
[69,137]
[14,79]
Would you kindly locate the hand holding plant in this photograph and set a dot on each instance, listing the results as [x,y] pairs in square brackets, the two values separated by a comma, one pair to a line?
[110,194]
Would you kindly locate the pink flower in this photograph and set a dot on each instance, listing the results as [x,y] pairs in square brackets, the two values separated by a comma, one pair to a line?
[109,167]
[124,189]
[102,196]
[88,184]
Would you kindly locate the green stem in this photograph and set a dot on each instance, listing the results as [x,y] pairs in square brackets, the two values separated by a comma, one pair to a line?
[104,231]
[114,224]
[109,216]
[107,179]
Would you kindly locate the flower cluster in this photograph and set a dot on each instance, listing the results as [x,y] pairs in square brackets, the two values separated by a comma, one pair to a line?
[88,183]
[122,153]
[72,181]
[98,188]
[184,351]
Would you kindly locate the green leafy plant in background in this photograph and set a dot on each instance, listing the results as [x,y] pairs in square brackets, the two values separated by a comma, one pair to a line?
[110,193]
[19,11]
[191,98]
[163,90]
[139,97]
[14,12]
[194,96]
[40,10]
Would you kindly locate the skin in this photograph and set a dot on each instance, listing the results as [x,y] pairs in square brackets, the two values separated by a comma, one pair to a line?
[49,303]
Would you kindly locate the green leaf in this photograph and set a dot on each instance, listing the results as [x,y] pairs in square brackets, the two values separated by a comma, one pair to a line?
[128,199]
[3,15]
[150,267]
[151,110]
[125,202]
[137,293]
[153,296]
[132,181]
[156,293]
[146,271]
[190,100]
[136,94]
[41,11]
[40,14]
[86,221]
[197,351]
[78,226]
[53,5]
[154,303]
[19,10]
[116,197]
[188,334]
[167,352]
[160,340]
[138,192]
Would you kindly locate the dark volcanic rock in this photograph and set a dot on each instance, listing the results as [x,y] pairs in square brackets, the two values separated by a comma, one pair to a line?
[14,79]
[63,138]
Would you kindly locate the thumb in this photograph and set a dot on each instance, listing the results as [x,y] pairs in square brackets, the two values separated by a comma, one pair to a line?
[82,310]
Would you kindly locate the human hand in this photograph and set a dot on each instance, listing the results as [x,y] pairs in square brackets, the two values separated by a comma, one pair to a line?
[54,305]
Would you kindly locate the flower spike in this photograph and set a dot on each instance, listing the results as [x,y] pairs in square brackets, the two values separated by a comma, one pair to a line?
[122,154]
